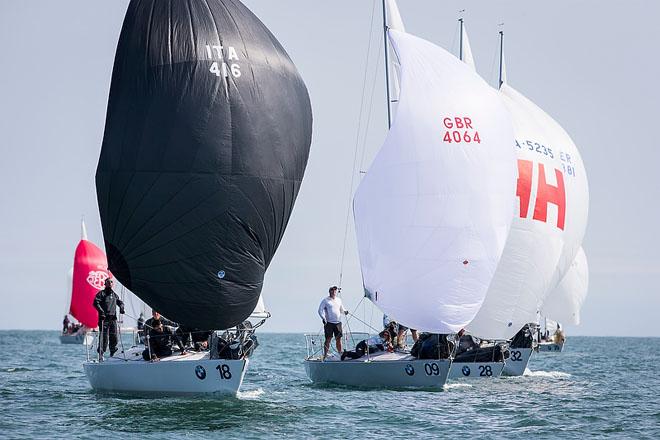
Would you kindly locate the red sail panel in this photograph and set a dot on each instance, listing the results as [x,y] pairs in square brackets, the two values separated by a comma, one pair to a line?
[90,270]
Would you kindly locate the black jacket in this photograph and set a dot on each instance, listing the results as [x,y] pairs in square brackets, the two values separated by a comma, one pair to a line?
[162,342]
[106,302]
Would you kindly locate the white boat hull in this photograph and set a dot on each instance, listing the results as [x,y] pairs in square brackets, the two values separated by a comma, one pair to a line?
[517,362]
[194,373]
[78,338]
[475,370]
[380,371]
[551,346]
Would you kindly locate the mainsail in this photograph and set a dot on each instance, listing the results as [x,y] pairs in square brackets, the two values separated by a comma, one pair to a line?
[90,270]
[549,222]
[433,211]
[563,304]
[206,141]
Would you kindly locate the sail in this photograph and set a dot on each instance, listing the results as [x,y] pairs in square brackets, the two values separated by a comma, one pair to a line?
[549,222]
[433,211]
[260,310]
[206,141]
[90,270]
[565,301]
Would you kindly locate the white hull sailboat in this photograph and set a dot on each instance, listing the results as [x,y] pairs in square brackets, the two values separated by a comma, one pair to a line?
[83,336]
[192,373]
[380,370]
[475,370]
[197,178]
[517,362]
[432,212]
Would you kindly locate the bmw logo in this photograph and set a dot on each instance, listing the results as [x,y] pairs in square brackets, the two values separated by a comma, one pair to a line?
[410,370]
[200,372]
[221,274]
[465,370]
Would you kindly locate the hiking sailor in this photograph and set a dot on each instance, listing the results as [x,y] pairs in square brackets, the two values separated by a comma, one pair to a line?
[374,344]
[330,311]
[106,303]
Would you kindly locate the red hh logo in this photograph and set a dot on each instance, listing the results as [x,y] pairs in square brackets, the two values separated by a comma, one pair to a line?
[96,279]
[545,193]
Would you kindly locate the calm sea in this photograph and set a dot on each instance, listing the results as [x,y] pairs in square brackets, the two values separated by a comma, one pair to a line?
[598,387]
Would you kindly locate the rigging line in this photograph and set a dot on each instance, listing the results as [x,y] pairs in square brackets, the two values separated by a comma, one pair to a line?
[354,316]
[357,143]
[370,109]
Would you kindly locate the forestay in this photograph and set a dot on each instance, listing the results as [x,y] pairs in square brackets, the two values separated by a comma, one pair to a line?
[563,304]
[433,211]
[549,222]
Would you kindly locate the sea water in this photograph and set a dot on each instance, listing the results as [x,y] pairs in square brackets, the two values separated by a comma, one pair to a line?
[597,387]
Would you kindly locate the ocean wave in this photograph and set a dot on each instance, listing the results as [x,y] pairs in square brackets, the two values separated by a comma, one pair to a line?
[14,370]
[548,374]
[453,386]
[251,394]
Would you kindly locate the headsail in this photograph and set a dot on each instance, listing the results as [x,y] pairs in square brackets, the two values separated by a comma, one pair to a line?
[549,223]
[90,270]
[206,141]
[466,49]
[433,211]
[565,301]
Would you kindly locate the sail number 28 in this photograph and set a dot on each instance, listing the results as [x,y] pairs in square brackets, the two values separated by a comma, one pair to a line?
[459,129]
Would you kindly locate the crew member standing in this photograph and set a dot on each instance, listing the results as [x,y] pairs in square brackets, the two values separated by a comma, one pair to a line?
[330,311]
[106,303]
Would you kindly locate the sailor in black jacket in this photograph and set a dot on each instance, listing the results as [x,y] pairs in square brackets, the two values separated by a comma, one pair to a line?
[106,303]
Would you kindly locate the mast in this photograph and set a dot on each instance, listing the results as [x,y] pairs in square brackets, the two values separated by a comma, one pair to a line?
[500,82]
[460,40]
[387,67]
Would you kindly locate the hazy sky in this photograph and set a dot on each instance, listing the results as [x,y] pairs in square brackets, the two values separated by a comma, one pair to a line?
[592,65]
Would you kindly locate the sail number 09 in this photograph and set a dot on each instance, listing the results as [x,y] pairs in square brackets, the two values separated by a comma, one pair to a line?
[459,129]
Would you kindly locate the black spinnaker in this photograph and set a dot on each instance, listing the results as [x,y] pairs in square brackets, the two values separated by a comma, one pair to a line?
[206,141]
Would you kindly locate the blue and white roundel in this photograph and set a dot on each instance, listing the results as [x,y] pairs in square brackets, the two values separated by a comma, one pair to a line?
[200,372]
[465,370]
[410,370]
[221,274]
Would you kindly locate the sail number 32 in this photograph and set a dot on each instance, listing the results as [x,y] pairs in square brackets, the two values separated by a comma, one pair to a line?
[460,130]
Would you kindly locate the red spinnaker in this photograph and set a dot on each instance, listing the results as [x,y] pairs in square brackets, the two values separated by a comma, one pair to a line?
[90,270]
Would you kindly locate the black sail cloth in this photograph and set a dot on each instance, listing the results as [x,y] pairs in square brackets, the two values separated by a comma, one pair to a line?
[206,141]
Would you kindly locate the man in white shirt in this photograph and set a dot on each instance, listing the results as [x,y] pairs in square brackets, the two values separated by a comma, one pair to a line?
[330,311]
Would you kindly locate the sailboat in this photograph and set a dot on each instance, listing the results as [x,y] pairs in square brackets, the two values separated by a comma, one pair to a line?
[90,270]
[206,142]
[564,303]
[548,226]
[432,212]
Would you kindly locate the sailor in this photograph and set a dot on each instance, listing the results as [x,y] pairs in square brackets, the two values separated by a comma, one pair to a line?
[330,311]
[159,342]
[106,303]
[149,324]
[375,344]
[65,324]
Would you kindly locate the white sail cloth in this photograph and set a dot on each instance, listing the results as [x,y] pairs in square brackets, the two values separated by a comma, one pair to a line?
[433,212]
[549,222]
[564,303]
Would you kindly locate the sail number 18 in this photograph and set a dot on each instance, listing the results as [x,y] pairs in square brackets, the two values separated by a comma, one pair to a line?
[460,130]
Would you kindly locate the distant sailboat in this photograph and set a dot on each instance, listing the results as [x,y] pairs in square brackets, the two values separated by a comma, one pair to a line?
[563,304]
[206,142]
[90,270]
[433,211]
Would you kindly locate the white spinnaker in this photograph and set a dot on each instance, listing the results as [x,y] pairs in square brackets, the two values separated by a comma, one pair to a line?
[540,247]
[563,304]
[432,216]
